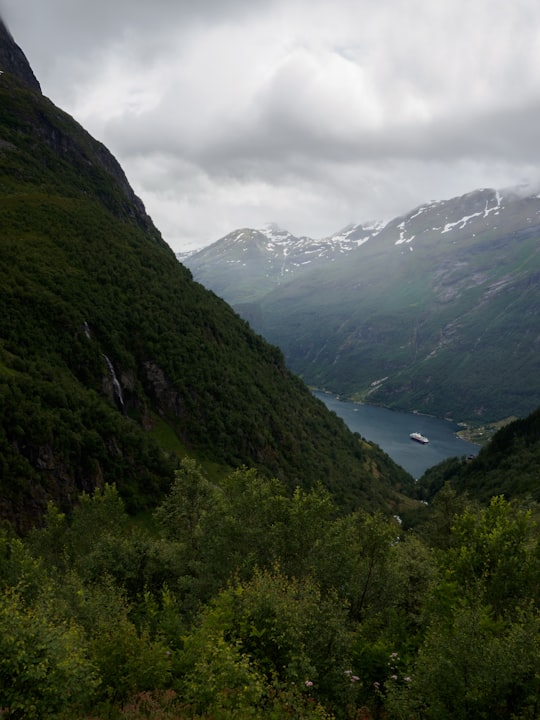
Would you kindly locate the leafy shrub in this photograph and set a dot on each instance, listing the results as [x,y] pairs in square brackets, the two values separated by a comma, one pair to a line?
[44,666]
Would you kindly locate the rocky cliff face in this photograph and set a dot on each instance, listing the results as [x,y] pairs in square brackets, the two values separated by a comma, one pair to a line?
[56,129]
[13,60]
[84,152]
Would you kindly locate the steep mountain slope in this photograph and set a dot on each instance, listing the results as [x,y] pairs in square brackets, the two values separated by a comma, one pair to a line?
[13,60]
[439,311]
[507,465]
[108,347]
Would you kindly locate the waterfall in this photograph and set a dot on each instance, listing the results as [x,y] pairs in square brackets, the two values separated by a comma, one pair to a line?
[117,388]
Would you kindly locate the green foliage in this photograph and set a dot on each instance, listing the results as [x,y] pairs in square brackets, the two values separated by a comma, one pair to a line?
[494,555]
[44,666]
[128,661]
[478,656]
[18,567]
[281,630]
[260,525]
[507,465]
[182,511]
[436,521]
[472,668]
[219,678]
[245,601]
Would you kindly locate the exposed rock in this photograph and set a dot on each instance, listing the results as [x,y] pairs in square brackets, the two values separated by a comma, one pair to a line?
[163,389]
[13,60]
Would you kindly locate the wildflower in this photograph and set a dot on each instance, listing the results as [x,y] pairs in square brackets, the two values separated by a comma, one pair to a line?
[348,673]
[354,678]
[407,679]
[309,683]
[376,685]
[393,677]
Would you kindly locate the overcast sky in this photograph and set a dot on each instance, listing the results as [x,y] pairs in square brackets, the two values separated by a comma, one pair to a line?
[308,113]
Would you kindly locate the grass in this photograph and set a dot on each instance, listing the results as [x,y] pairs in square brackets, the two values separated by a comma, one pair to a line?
[482,434]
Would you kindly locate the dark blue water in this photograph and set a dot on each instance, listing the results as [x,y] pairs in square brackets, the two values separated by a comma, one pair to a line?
[390,429]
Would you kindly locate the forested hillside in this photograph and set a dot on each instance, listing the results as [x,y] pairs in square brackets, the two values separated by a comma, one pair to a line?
[110,354]
[508,465]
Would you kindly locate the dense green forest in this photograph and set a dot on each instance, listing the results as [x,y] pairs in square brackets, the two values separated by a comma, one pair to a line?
[240,601]
[507,465]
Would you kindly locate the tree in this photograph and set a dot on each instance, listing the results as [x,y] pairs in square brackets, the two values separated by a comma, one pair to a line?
[182,511]
[495,553]
[270,635]
[44,665]
[471,668]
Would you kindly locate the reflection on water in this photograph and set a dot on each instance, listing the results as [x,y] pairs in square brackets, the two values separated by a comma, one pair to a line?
[390,429]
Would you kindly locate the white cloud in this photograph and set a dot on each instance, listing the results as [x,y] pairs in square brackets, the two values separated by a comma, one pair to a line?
[309,113]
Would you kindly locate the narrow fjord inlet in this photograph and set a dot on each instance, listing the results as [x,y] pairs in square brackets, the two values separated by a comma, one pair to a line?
[390,430]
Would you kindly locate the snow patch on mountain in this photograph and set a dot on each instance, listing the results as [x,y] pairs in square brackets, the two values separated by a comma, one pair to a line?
[403,235]
[460,224]
[356,235]
[487,210]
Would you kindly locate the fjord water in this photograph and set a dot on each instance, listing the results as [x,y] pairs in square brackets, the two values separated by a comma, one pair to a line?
[390,429]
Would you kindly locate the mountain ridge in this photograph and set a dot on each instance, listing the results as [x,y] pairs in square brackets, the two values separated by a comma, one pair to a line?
[14,61]
[270,255]
[409,317]
[481,202]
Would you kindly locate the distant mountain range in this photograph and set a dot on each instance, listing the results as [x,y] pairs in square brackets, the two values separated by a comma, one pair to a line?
[437,310]
[247,263]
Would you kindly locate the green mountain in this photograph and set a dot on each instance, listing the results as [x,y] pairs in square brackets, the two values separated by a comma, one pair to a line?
[437,311]
[507,465]
[113,361]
